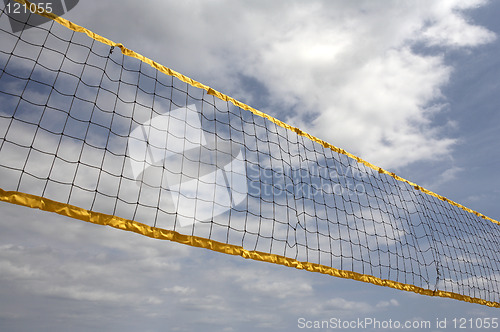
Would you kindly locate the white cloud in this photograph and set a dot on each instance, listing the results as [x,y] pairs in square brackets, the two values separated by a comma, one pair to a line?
[88,294]
[386,304]
[348,73]
[178,290]
[16,271]
[256,281]
[339,303]
[367,88]
[446,176]
[449,27]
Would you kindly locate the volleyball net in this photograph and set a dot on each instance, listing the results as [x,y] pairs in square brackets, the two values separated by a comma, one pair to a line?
[94,131]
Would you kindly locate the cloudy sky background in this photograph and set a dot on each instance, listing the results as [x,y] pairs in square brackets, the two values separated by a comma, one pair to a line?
[409,86]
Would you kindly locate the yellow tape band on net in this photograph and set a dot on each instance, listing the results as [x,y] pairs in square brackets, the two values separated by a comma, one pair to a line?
[75,212]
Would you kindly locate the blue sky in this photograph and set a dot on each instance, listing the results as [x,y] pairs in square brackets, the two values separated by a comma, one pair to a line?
[410,87]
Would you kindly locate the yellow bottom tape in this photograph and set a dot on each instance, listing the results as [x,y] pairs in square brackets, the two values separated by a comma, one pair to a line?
[75,212]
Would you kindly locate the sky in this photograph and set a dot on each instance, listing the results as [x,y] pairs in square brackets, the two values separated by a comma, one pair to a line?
[409,86]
